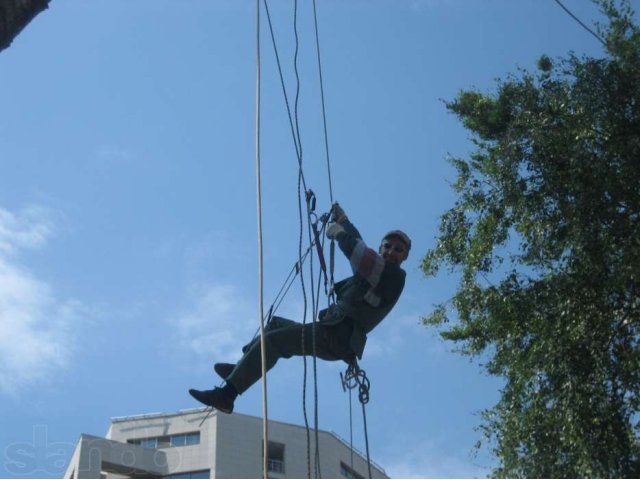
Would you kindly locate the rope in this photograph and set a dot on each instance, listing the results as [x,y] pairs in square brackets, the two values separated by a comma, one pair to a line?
[295,69]
[287,284]
[320,255]
[293,273]
[366,439]
[314,310]
[351,427]
[209,411]
[302,339]
[315,297]
[295,132]
[301,184]
[284,289]
[284,92]
[324,114]
[347,386]
[265,432]
[354,377]
[314,238]
[326,141]
[582,24]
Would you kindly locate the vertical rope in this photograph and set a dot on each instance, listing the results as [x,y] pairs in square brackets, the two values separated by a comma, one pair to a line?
[570,13]
[302,187]
[324,114]
[284,92]
[366,438]
[265,432]
[297,74]
[316,300]
[351,427]
[295,130]
[315,295]
[326,141]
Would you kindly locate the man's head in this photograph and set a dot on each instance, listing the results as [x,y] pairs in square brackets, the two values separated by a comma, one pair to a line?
[395,246]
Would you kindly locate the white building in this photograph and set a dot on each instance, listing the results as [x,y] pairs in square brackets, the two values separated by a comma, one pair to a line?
[186,445]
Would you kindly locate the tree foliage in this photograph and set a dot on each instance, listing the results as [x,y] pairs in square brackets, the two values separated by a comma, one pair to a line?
[545,235]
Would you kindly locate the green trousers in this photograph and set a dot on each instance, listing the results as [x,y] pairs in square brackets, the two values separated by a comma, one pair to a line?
[286,338]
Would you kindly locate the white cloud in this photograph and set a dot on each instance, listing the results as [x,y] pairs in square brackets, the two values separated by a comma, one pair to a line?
[217,323]
[28,229]
[36,329]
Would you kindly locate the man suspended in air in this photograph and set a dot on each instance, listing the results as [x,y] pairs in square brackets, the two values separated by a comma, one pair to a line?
[363,301]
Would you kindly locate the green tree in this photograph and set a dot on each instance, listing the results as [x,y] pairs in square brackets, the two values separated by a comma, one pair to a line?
[545,237]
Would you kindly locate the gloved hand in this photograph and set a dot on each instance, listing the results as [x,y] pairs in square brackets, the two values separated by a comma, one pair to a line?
[334,230]
[337,213]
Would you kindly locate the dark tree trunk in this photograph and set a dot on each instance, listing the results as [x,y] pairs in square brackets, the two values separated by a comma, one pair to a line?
[15,15]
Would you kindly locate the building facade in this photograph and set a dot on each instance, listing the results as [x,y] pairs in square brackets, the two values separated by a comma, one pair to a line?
[192,444]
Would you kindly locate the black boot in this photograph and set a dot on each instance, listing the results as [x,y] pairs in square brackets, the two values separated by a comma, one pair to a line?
[224,369]
[219,398]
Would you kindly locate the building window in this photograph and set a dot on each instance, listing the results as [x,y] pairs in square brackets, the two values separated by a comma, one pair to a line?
[149,442]
[196,474]
[348,472]
[185,439]
[275,461]
[165,441]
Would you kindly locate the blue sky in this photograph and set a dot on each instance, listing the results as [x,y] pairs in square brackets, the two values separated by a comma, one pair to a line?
[128,251]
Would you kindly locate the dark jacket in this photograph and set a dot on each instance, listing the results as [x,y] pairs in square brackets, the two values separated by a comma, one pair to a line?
[367,296]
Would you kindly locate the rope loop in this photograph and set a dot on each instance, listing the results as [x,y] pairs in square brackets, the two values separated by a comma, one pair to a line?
[354,377]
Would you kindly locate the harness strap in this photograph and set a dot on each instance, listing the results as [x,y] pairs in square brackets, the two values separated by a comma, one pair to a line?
[323,263]
[332,261]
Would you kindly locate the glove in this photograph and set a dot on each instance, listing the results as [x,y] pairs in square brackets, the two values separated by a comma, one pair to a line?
[337,213]
[334,230]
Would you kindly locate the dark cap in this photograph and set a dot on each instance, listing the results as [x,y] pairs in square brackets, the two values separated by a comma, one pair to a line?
[401,235]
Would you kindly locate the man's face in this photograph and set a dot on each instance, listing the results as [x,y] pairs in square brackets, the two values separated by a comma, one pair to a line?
[393,250]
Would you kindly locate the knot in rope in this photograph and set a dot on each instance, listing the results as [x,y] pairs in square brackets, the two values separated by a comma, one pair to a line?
[354,377]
